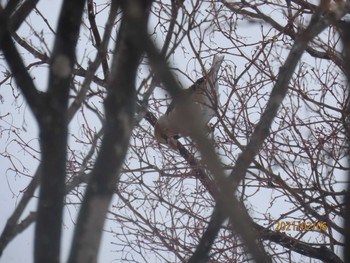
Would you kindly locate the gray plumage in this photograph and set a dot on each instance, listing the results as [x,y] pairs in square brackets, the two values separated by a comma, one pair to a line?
[203,93]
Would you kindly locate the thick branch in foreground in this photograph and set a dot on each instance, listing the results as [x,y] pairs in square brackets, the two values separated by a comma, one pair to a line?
[119,110]
[53,126]
[21,13]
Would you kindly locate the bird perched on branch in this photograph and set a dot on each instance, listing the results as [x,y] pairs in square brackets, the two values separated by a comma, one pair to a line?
[204,94]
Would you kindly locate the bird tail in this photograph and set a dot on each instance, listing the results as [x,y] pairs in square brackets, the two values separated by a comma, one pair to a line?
[217,61]
[212,75]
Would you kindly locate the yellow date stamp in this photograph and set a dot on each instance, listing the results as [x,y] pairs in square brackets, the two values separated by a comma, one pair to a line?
[300,226]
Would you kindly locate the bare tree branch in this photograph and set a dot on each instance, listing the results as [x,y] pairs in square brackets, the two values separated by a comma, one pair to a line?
[53,135]
[240,219]
[11,6]
[97,37]
[317,25]
[232,206]
[344,28]
[100,57]
[322,252]
[119,108]
[19,71]
[20,14]
[12,225]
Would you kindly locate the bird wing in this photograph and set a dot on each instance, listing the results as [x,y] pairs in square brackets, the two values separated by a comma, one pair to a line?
[188,92]
[203,93]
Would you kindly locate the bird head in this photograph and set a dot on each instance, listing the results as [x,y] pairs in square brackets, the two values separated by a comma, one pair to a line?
[164,134]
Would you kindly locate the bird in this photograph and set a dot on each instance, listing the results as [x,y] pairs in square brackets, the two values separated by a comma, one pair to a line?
[204,95]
